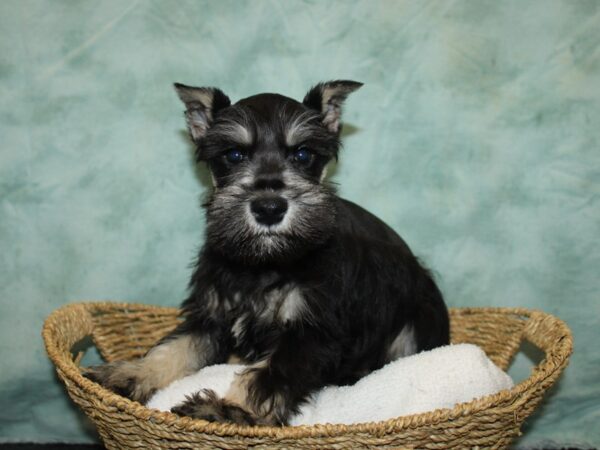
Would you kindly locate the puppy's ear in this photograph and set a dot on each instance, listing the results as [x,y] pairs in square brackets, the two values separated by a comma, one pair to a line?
[201,105]
[327,98]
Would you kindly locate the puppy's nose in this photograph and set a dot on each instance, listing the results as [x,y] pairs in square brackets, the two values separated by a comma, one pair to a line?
[268,210]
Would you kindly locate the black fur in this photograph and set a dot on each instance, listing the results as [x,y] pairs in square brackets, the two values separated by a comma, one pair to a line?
[361,287]
[313,301]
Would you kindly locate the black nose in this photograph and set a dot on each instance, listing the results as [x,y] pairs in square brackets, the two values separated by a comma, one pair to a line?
[268,210]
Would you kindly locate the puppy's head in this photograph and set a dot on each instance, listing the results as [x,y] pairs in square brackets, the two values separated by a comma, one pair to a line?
[267,156]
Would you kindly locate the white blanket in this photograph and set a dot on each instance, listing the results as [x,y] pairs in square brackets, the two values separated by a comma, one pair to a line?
[435,379]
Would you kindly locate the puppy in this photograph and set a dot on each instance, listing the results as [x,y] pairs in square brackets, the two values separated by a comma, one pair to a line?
[306,288]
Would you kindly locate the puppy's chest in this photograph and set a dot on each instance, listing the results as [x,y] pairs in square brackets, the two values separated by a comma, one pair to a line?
[257,316]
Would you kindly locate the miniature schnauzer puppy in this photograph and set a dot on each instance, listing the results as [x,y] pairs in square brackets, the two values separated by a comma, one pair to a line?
[304,287]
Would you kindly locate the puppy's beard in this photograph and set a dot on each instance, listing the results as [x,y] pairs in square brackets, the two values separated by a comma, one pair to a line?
[233,231]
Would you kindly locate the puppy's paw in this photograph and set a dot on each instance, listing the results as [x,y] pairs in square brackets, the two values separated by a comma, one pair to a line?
[208,406]
[121,377]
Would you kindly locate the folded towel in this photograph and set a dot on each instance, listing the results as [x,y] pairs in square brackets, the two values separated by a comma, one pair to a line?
[439,378]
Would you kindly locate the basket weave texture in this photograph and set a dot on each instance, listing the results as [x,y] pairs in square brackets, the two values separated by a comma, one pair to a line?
[125,331]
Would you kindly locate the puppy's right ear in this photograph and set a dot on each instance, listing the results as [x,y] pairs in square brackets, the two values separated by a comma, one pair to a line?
[201,105]
[328,98]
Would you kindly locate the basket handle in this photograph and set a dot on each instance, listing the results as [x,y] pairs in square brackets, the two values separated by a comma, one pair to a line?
[549,334]
[64,328]
[553,337]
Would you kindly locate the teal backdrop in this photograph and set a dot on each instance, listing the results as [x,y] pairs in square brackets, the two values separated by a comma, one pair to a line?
[476,136]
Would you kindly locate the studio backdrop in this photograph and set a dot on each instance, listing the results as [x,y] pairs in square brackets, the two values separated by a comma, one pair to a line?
[476,137]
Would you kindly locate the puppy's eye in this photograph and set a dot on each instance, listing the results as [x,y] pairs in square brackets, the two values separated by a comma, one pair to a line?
[303,156]
[234,156]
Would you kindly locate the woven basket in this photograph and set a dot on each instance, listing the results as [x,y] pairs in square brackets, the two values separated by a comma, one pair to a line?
[124,331]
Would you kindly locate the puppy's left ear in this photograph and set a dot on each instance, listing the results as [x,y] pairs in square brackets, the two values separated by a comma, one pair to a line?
[327,98]
[201,105]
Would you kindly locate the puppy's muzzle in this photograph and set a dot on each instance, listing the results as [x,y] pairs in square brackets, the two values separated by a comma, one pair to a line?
[269,210]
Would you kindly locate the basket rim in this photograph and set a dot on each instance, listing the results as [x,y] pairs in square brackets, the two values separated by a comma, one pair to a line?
[547,368]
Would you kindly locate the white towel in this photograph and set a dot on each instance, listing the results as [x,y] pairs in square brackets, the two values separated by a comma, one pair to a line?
[439,378]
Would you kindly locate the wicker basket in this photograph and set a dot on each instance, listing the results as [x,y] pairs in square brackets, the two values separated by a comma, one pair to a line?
[123,331]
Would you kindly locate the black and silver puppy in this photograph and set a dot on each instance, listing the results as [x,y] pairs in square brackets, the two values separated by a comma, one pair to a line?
[306,288]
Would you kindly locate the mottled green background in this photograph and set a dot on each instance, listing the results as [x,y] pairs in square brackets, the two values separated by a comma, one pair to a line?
[476,136]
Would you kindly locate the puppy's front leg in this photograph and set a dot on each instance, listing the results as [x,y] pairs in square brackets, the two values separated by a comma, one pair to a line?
[181,353]
[270,392]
